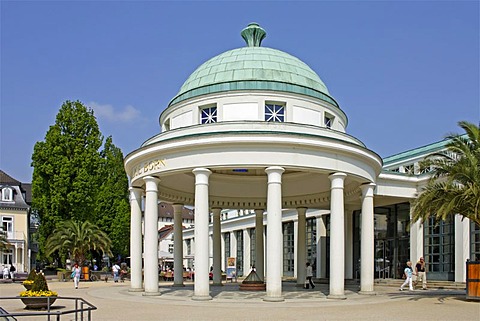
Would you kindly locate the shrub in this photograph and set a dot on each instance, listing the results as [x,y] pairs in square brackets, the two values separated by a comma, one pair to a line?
[39,283]
[31,275]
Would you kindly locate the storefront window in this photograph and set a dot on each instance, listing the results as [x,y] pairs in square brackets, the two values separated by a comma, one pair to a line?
[474,242]
[288,249]
[239,253]
[227,246]
[439,250]
[253,257]
[391,232]
[311,244]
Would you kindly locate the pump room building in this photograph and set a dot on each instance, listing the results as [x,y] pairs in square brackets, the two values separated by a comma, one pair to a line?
[255,130]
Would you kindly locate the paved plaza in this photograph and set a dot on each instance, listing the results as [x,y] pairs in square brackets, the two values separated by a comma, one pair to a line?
[115,302]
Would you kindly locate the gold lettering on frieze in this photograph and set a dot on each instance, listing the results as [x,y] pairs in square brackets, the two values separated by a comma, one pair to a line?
[149,166]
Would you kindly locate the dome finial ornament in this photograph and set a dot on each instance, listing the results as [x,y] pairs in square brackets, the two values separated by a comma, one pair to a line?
[253,34]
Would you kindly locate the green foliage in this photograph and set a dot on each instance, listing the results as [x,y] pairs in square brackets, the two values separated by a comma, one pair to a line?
[73,179]
[39,283]
[454,187]
[78,239]
[31,275]
[3,240]
[113,208]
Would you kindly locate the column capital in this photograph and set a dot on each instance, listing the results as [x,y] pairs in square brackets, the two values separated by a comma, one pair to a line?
[177,208]
[301,211]
[201,170]
[337,180]
[274,169]
[274,174]
[201,175]
[367,189]
[151,183]
[135,193]
[216,211]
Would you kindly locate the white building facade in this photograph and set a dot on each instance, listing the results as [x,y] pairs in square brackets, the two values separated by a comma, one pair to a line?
[254,131]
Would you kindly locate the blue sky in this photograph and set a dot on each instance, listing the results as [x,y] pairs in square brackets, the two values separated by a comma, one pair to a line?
[404,72]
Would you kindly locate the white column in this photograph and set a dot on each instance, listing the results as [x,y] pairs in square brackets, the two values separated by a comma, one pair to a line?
[348,243]
[301,246]
[274,234]
[201,284]
[321,247]
[246,253]
[136,237]
[259,255]
[222,252]
[177,245]
[217,247]
[462,247]
[337,234]
[151,236]
[367,241]
[416,238]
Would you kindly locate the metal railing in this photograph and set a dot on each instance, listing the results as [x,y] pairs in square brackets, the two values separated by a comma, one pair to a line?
[81,309]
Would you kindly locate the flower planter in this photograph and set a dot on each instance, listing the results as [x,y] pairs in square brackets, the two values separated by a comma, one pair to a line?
[40,302]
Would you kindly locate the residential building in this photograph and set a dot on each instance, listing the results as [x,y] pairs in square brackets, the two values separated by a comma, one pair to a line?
[15,200]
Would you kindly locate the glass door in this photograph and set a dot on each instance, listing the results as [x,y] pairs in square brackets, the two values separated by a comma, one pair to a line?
[383,259]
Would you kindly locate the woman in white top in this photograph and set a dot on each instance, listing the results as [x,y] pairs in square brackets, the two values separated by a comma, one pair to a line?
[76,274]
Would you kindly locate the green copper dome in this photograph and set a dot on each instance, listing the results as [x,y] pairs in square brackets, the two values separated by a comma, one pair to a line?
[253,68]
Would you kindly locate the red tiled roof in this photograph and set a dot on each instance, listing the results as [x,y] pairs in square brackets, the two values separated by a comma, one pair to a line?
[166,210]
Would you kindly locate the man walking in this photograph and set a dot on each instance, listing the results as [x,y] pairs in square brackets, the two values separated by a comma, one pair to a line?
[309,275]
[421,273]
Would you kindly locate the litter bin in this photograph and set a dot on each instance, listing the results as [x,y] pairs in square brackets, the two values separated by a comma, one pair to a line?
[86,272]
[473,280]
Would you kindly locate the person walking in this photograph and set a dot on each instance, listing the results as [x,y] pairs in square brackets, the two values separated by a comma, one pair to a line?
[309,276]
[12,272]
[421,273]
[115,270]
[408,273]
[6,272]
[76,271]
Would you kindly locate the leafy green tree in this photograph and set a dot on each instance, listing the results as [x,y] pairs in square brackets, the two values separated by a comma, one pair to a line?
[78,239]
[454,187]
[112,208]
[65,166]
[74,179]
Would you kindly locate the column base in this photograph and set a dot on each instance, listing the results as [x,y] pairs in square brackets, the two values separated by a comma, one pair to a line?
[367,292]
[201,298]
[336,297]
[178,285]
[298,285]
[136,290]
[217,284]
[151,293]
[274,299]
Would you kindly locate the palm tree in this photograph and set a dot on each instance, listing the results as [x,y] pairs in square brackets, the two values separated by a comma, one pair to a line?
[454,187]
[78,239]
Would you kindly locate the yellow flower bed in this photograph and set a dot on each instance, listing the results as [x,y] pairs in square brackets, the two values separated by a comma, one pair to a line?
[38,293]
[28,282]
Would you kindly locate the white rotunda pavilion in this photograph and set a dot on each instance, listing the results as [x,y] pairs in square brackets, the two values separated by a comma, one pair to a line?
[252,128]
